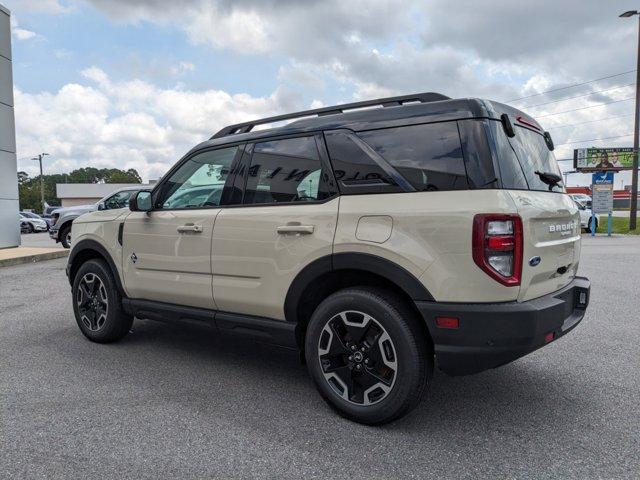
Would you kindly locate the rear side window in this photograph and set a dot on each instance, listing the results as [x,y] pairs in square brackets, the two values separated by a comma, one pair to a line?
[284,171]
[356,171]
[429,156]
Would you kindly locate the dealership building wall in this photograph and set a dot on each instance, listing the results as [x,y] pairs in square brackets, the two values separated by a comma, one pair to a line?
[9,225]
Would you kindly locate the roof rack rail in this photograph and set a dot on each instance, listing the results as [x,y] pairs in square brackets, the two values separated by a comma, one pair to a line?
[336,109]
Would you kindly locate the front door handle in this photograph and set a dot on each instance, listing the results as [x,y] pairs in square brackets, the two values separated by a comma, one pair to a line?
[189,227]
[300,229]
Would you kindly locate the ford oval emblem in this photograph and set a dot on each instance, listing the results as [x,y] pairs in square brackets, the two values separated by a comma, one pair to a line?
[535,261]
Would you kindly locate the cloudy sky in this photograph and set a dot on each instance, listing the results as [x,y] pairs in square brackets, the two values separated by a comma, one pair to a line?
[136,83]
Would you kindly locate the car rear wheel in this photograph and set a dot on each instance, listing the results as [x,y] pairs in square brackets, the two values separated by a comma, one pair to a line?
[65,236]
[367,355]
[97,304]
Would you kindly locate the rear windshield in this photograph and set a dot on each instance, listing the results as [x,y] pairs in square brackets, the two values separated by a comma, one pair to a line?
[519,157]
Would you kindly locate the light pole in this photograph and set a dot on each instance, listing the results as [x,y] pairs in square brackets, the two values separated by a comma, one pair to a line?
[39,159]
[633,212]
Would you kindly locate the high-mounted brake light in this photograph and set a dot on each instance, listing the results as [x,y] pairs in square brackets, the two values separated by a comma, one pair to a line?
[528,123]
[497,247]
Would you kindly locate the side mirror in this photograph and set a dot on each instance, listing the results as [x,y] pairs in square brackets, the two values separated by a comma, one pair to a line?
[549,141]
[102,206]
[141,201]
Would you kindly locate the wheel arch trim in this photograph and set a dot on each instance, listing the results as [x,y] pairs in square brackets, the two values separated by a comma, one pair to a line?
[364,262]
[92,245]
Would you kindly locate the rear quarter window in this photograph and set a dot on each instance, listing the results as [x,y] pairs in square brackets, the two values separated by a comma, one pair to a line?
[428,156]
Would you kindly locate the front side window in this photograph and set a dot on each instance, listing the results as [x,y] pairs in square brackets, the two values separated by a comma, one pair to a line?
[198,182]
[285,171]
[118,200]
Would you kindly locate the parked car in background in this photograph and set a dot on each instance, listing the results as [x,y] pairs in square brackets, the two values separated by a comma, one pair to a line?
[62,218]
[33,222]
[582,198]
[35,216]
[586,217]
[24,226]
[48,210]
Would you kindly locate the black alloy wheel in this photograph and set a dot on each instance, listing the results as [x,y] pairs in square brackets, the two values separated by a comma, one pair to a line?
[92,302]
[357,357]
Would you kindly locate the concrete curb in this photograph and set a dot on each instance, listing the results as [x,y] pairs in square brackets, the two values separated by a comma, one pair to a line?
[37,257]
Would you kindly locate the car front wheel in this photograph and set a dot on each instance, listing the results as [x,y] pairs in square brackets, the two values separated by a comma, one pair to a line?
[65,236]
[97,304]
[367,355]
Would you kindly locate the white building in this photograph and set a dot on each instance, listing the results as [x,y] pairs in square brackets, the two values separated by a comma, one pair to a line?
[72,194]
[9,225]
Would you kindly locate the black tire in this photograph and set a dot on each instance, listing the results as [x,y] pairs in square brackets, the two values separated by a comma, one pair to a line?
[411,349]
[589,225]
[29,228]
[65,236]
[115,323]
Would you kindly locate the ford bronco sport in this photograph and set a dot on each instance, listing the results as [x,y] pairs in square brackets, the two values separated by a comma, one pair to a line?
[379,238]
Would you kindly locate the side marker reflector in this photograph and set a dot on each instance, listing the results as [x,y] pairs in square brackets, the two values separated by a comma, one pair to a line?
[448,322]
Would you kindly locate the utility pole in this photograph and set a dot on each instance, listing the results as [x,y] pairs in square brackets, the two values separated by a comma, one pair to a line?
[633,211]
[39,159]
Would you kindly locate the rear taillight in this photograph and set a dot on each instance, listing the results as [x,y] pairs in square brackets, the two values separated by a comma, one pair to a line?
[497,247]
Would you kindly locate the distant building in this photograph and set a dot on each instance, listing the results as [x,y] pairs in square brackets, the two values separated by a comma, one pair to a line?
[72,194]
[9,225]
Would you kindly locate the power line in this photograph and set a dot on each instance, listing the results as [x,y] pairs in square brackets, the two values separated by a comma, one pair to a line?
[577,96]
[595,139]
[584,108]
[592,121]
[570,86]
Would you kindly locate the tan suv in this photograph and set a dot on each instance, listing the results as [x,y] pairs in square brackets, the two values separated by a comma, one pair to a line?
[379,238]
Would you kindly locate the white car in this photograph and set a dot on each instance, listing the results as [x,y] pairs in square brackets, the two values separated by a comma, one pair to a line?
[585,216]
[582,198]
[33,223]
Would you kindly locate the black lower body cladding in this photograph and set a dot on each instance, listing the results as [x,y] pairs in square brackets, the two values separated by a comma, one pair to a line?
[490,335]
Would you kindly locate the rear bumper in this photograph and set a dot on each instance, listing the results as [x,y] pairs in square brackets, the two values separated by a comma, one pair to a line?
[490,335]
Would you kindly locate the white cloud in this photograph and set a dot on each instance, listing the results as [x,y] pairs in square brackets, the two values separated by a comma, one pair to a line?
[21,33]
[127,124]
[42,6]
[360,48]
[182,68]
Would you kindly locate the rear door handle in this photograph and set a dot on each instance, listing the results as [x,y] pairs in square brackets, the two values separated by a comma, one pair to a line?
[301,229]
[189,227]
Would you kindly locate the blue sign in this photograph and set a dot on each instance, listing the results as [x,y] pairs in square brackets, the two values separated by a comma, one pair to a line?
[602,178]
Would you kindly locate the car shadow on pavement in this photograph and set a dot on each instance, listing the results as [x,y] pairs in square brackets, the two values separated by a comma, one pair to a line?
[512,397]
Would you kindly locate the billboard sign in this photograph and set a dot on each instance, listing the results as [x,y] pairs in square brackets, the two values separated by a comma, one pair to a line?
[592,159]
[602,192]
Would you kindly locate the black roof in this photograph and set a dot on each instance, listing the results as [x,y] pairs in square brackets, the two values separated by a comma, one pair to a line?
[393,111]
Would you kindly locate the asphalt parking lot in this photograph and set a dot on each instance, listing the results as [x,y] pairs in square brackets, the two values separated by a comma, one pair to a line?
[40,239]
[178,401]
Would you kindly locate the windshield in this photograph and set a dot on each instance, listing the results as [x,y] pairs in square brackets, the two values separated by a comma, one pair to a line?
[521,156]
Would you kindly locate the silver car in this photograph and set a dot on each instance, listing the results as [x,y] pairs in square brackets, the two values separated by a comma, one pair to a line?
[63,217]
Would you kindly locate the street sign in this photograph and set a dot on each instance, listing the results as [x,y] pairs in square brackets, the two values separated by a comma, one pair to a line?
[591,159]
[602,192]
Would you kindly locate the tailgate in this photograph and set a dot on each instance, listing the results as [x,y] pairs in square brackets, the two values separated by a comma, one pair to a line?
[551,229]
